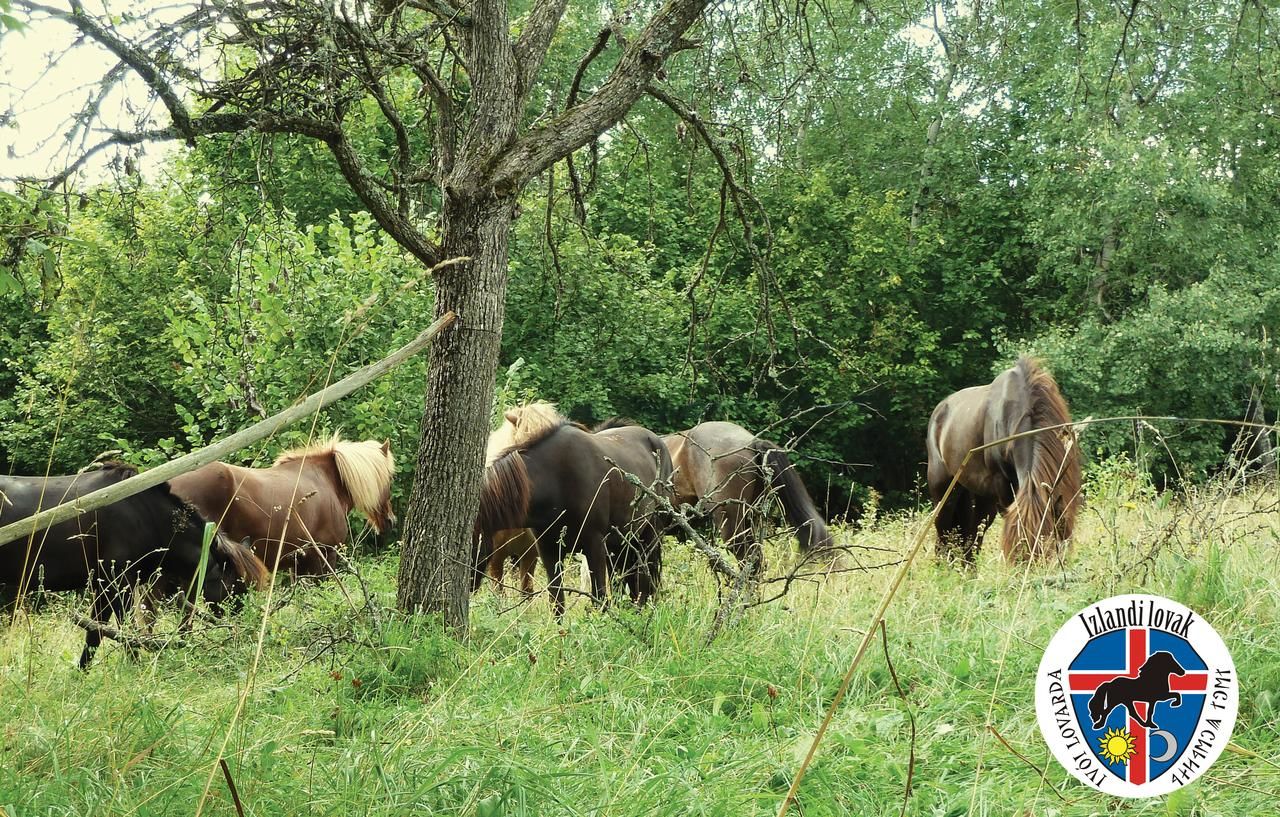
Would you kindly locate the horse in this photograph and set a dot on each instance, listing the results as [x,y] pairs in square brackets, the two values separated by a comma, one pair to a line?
[519,546]
[152,537]
[1034,481]
[558,481]
[1150,687]
[295,512]
[724,470]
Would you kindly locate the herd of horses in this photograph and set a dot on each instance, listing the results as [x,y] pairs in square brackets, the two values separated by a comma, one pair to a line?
[552,488]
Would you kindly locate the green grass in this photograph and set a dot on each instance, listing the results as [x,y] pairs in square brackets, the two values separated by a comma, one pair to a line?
[630,713]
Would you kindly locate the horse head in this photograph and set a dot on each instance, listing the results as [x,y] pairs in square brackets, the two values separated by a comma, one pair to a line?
[1161,663]
[231,567]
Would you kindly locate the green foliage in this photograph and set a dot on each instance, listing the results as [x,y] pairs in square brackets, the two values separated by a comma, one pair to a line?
[1195,352]
[1120,222]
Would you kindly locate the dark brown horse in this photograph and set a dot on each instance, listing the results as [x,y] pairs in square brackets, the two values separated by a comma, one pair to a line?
[732,473]
[295,512]
[150,538]
[1034,480]
[567,484]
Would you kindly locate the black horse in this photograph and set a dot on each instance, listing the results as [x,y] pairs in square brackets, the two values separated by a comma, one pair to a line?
[1150,687]
[569,486]
[152,537]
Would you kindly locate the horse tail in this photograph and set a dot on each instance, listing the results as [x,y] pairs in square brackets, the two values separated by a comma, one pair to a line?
[797,505]
[1048,498]
[1098,701]
[248,567]
[505,495]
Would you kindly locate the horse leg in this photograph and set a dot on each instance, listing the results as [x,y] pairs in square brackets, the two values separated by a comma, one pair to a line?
[497,567]
[527,564]
[598,565]
[100,614]
[648,567]
[738,537]
[1147,721]
[978,515]
[122,605]
[553,563]
[949,523]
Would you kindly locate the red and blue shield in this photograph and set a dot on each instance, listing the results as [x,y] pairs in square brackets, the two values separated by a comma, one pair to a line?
[1138,694]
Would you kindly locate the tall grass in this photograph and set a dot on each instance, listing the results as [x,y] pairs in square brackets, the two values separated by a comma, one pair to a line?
[630,712]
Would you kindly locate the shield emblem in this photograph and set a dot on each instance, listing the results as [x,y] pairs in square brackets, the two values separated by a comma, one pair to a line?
[1137,694]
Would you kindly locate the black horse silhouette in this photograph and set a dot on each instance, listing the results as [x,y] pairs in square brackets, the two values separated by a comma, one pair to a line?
[1150,687]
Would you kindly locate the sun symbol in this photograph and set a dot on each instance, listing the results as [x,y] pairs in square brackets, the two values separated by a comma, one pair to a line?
[1117,746]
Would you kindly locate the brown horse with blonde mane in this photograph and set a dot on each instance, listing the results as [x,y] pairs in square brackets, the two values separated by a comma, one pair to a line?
[1034,481]
[567,485]
[295,512]
[731,474]
[519,545]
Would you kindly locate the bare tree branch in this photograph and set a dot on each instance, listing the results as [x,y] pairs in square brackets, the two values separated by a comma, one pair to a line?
[640,62]
[531,47]
[141,63]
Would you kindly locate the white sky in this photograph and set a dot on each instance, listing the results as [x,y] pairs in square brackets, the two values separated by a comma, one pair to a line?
[43,99]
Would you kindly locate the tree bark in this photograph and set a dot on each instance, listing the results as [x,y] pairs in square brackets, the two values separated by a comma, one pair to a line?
[435,566]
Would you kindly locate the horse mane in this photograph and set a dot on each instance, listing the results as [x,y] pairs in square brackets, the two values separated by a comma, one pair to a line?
[1165,658]
[615,422]
[115,469]
[364,467]
[1053,498]
[505,494]
[524,427]
[252,570]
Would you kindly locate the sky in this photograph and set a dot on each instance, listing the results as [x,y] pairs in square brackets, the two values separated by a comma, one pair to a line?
[44,81]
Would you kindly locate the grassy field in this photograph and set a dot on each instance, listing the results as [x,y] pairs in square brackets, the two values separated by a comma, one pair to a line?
[325,708]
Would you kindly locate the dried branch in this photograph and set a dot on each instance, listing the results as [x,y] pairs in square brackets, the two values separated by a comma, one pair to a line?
[537,150]
[531,47]
[149,643]
[715,558]
[575,180]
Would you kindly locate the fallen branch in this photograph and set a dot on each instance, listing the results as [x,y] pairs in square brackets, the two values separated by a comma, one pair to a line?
[231,784]
[150,643]
[911,759]
[1039,771]
[716,559]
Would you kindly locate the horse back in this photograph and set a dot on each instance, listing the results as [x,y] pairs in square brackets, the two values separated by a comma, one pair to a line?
[635,450]
[719,462]
[135,531]
[957,425]
[288,502]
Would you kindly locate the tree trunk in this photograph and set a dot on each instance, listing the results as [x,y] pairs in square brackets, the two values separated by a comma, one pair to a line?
[437,560]
[928,157]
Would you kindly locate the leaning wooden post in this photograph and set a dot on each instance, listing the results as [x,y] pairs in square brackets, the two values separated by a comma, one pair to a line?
[188,462]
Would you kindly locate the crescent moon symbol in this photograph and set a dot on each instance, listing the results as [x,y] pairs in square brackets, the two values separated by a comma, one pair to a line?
[1170,745]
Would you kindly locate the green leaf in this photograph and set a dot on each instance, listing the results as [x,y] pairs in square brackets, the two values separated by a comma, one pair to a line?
[490,806]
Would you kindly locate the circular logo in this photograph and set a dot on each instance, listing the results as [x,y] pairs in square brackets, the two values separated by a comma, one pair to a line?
[1136,696]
